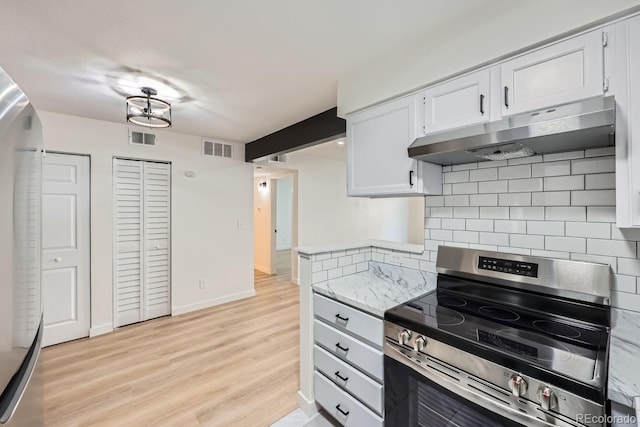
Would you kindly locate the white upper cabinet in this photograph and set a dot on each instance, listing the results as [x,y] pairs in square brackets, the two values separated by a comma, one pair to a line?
[460,102]
[378,162]
[563,72]
[626,75]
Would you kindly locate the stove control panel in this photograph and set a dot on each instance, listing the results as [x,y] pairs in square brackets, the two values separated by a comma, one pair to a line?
[508,266]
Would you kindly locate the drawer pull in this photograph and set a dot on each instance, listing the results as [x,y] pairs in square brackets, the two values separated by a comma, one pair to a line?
[345,379]
[344,319]
[342,348]
[345,413]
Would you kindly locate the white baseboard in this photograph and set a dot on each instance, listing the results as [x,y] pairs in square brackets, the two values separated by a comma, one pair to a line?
[100,330]
[308,406]
[262,268]
[211,302]
[295,281]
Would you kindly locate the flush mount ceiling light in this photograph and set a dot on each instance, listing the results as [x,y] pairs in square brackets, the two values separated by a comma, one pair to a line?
[147,110]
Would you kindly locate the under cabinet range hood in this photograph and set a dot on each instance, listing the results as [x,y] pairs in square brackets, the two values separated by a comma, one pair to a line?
[576,126]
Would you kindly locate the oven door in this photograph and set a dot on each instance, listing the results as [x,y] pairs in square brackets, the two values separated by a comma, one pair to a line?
[415,396]
[412,399]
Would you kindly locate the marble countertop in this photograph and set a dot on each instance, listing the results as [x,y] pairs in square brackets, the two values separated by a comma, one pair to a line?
[380,288]
[624,356]
[403,247]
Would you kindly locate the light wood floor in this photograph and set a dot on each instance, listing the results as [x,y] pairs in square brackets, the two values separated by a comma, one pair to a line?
[232,365]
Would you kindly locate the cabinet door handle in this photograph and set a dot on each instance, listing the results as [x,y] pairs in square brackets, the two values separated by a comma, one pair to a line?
[345,379]
[482,104]
[506,96]
[345,349]
[344,319]
[410,178]
[345,413]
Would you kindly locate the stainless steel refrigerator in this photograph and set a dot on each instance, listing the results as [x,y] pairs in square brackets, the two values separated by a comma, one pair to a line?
[21,317]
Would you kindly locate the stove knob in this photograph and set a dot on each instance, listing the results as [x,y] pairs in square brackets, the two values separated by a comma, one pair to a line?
[518,385]
[403,337]
[419,343]
[547,398]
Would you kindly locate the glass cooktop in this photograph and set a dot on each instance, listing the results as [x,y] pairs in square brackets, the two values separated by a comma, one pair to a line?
[522,331]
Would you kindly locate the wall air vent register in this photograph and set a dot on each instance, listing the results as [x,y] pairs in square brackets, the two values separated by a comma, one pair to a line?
[217,149]
[141,138]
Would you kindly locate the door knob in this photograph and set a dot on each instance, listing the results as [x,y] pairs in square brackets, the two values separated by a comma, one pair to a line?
[57,259]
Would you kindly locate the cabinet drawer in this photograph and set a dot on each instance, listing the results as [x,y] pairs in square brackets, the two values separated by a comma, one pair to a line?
[349,378]
[355,321]
[347,348]
[345,408]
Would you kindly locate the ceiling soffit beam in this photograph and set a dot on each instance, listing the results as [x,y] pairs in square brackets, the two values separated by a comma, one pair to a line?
[314,130]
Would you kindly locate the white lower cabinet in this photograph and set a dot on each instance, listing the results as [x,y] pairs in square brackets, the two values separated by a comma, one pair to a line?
[349,319]
[352,380]
[346,409]
[349,349]
[348,362]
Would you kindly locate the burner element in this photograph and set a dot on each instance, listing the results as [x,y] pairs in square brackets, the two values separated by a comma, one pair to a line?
[451,301]
[448,317]
[498,313]
[555,328]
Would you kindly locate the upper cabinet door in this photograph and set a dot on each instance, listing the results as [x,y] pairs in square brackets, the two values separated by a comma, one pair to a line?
[457,103]
[377,141]
[563,72]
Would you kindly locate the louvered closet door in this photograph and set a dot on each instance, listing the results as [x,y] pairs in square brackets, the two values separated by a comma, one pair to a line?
[142,253]
[156,220]
[128,225]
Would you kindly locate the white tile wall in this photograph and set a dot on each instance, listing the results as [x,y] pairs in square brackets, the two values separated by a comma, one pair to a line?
[331,265]
[563,208]
[558,205]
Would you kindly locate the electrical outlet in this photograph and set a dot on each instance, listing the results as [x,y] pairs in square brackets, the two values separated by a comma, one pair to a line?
[240,225]
[203,283]
[395,258]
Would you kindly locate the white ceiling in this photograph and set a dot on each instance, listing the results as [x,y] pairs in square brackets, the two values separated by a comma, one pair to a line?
[249,67]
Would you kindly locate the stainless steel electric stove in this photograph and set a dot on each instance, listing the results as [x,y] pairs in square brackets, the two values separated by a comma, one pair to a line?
[504,340]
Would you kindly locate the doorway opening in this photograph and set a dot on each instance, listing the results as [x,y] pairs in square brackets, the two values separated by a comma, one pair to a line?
[275,220]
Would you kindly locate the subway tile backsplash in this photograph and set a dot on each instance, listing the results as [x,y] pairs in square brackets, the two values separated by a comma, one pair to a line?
[558,205]
[331,265]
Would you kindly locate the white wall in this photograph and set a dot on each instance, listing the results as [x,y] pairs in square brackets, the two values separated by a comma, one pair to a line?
[212,224]
[327,216]
[263,208]
[399,219]
[480,38]
[283,213]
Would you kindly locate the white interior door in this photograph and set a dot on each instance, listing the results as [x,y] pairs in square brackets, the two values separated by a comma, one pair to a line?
[142,240]
[156,265]
[65,248]
[128,256]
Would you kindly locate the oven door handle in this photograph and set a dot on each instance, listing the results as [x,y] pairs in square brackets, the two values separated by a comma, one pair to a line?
[507,412]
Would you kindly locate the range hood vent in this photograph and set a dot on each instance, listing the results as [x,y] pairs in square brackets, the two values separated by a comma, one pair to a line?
[577,126]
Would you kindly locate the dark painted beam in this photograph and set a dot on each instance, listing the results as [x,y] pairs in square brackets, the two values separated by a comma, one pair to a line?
[319,128]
